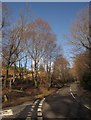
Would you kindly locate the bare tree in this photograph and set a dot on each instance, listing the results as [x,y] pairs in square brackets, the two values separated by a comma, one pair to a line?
[51,53]
[38,43]
[80,65]
[12,47]
[81,37]
[61,69]
[80,30]
[5,20]
[81,69]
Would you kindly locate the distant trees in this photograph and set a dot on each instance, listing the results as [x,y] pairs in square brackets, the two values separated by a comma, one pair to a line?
[61,69]
[51,53]
[80,65]
[81,69]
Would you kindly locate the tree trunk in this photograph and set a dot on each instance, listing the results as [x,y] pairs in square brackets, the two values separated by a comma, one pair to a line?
[49,74]
[10,85]
[90,58]
[32,71]
[35,74]
[14,72]
[25,64]
[6,77]
[32,75]
[20,69]
[22,72]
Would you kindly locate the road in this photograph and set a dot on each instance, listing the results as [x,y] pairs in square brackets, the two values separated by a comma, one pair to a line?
[62,104]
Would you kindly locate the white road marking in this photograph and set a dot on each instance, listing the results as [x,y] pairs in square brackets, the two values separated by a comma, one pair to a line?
[78,101]
[29,115]
[29,112]
[40,118]
[40,104]
[32,108]
[6,112]
[39,113]
[39,110]
[87,107]
[28,118]
[43,99]
[70,89]
[35,102]
[73,95]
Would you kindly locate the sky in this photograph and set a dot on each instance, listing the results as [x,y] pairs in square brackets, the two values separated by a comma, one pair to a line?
[45,0]
[59,15]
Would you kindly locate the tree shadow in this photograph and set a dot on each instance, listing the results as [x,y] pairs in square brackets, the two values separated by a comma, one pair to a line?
[59,106]
[24,113]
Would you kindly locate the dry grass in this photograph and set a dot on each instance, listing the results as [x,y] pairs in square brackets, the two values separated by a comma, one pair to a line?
[17,98]
[15,102]
[44,92]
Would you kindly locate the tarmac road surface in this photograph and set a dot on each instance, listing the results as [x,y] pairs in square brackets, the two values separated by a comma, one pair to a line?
[63,105]
[59,105]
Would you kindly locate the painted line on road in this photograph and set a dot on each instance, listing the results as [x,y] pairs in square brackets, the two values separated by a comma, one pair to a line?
[72,94]
[28,118]
[6,112]
[39,110]
[32,109]
[40,118]
[78,100]
[40,106]
[70,89]
[86,106]
[34,104]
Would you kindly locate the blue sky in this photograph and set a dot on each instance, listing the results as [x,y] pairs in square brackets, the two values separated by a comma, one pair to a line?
[60,16]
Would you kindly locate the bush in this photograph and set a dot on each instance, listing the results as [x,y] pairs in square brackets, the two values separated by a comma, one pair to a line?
[86,81]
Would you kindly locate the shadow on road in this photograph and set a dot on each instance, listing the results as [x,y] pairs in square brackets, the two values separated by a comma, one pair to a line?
[23,114]
[64,106]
